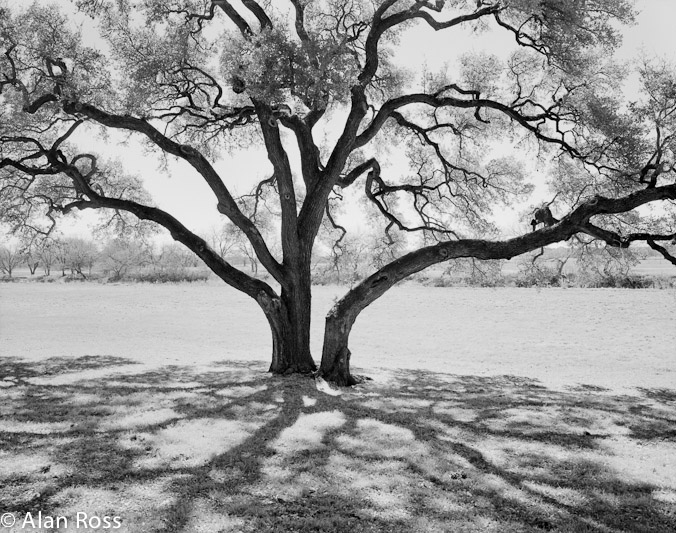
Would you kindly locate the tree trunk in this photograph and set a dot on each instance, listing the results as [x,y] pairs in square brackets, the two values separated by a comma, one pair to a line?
[335,365]
[290,325]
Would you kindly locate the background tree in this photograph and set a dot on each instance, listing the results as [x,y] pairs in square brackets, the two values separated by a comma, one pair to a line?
[80,255]
[119,256]
[172,255]
[223,239]
[585,262]
[10,258]
[605,266]
[247,251]
[47,253]
[316,87]
[61,255]
[31,255]
[476,273]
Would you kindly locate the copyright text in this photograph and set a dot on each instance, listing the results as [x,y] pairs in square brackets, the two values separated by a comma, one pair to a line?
[39,520]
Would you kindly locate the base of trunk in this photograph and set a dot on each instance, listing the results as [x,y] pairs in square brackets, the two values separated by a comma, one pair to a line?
[288,359]
[336,369]
[307,367]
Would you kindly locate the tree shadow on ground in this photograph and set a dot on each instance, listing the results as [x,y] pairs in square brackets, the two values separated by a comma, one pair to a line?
[232,448]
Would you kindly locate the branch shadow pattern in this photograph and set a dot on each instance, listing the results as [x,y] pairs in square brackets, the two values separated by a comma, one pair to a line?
[236,449]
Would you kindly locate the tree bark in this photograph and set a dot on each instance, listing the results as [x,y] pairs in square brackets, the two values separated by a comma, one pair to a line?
[298,303]
[289,319]
[335,366]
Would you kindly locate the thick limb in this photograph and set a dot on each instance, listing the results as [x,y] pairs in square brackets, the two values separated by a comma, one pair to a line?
[336,354]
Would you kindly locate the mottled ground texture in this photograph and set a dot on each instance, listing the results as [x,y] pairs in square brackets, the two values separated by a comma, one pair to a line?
[503,410]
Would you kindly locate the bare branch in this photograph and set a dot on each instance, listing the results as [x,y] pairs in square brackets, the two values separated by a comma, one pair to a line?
[356,172]
[282,171]
[532,123]
[234,16]
[380,25]
[309,152]
[258,12]
[226,203]
[662,250]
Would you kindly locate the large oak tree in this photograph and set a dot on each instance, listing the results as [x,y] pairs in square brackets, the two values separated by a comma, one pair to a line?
[319,86]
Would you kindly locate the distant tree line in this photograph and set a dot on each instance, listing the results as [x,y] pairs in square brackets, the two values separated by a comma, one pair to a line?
[342,259]
[115,259]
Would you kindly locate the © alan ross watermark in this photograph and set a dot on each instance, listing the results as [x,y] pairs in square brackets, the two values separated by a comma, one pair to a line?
[39,520]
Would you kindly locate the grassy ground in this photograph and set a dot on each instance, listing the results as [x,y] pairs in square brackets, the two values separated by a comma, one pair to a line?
[234,449]
[617,339]
[528,411]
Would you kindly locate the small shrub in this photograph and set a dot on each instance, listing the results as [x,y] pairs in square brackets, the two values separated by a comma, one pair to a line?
[331,277]
[539,276]
[443,280]
[422,278]
[661,282]
[620,281]
[489,282]
[168,275]
[325,277]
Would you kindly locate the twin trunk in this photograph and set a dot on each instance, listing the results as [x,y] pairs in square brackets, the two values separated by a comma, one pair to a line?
[289,319]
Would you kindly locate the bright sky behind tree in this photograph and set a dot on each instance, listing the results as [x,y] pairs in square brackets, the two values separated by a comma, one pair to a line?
[180,191]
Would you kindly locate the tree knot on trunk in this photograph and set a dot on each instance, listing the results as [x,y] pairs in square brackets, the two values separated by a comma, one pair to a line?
[238,84]
[70,106]
[267,302]
[188,150]
[223,208]
[443,252]
[380,279]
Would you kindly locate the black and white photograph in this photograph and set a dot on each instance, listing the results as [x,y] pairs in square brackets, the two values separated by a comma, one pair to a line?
[399,266]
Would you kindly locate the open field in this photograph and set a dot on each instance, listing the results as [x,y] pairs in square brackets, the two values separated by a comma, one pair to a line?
[602,337]
[507,410]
